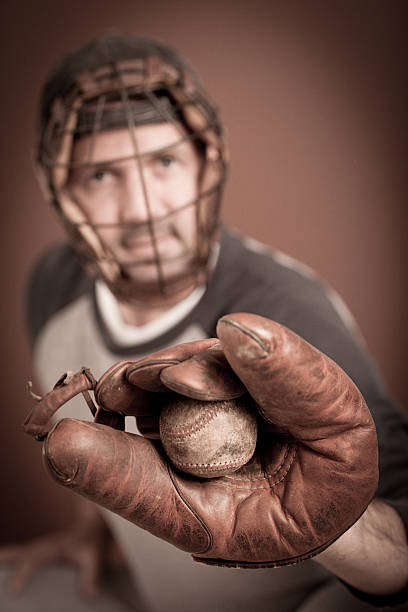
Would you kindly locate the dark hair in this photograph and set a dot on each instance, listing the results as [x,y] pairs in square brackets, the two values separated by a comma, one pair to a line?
[110,47]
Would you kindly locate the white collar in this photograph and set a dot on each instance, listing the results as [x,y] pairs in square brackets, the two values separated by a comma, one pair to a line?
[125,334]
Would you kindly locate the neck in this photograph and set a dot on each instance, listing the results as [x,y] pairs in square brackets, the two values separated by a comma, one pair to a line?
[139,314]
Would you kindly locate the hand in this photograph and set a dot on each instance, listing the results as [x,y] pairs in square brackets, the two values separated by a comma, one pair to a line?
[311,477]
[87,545]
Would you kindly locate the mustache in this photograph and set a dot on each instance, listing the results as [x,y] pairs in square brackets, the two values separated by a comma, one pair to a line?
[149,234]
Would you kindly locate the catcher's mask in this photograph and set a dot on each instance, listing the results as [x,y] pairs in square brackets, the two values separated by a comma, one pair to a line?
[124,94]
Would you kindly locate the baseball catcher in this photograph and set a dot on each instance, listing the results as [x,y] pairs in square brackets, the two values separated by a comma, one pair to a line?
[132,157]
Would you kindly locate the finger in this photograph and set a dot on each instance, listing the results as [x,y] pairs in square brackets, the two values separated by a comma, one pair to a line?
[22,574]
[9,554]
[133,388]
[115,393]
[297,388]
[146,372]
[89,573]
[125,473]
[205,376]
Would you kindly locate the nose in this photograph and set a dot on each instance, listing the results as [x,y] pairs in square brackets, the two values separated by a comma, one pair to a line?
[137,202]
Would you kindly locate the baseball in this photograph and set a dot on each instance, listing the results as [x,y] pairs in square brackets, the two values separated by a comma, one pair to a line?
[208,438]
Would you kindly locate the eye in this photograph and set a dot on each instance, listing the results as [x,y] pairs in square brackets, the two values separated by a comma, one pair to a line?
[166,160]
[99,175]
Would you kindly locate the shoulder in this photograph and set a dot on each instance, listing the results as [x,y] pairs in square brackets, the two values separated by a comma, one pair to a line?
[264,281]
[261,267]
[56,279]
[278,285]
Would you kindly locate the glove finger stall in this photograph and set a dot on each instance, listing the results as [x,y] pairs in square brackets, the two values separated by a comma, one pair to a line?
[146,372]
[115,393]
[205,376]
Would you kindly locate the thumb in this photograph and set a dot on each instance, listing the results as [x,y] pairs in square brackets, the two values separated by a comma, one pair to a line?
[126,474]
[297,388]
[90,569]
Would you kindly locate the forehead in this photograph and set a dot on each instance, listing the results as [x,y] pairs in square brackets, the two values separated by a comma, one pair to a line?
[122,143]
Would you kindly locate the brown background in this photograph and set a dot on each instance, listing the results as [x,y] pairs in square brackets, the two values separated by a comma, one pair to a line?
[313,97]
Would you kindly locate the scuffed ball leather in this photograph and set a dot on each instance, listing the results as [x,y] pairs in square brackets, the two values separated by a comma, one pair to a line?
[208,439]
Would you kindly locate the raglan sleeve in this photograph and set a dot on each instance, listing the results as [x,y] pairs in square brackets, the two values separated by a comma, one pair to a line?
[55,279]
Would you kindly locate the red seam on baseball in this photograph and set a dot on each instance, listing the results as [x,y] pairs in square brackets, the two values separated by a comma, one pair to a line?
[183,431]
[206,468]
[230,463]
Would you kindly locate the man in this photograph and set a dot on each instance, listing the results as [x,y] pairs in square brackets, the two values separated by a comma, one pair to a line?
[132,156]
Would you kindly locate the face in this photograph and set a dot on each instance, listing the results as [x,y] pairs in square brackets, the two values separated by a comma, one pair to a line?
[139,205]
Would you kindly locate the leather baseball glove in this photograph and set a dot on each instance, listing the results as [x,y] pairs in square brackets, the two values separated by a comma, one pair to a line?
[313,473]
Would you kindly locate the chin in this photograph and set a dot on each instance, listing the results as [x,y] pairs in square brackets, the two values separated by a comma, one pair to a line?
[142,287]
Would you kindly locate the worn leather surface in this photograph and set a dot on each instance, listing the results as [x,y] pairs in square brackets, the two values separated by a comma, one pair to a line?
[69,385]
[312,475]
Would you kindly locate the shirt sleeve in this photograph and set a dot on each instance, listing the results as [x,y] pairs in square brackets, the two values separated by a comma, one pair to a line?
[56,279]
